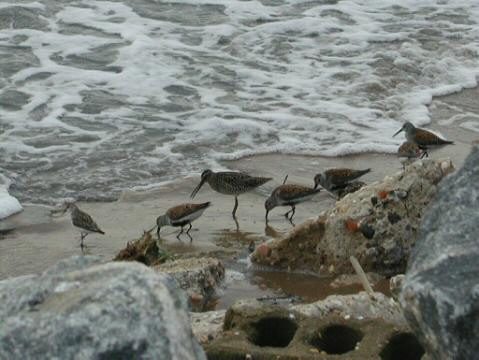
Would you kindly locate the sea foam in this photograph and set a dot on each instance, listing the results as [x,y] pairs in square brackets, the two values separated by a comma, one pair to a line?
[8,204]
[110,95]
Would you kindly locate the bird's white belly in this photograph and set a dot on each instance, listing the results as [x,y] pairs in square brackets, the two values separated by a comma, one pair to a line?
[297,201]
[80,230]
[192,217]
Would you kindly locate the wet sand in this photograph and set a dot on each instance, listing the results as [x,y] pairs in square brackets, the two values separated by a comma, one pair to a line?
[38,240]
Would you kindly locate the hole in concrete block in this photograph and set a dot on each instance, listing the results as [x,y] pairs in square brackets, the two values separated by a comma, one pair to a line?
[337,339]
[273,331]
[402,346]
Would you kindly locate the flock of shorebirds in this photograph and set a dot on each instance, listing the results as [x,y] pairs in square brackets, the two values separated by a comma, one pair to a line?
[236,183]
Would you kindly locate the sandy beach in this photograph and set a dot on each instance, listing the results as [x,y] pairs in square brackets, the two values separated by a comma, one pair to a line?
[38,240]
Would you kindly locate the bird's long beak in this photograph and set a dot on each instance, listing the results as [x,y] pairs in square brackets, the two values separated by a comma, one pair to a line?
[401,129]
[316,185]
[195,191]
[59,212]
[266,216]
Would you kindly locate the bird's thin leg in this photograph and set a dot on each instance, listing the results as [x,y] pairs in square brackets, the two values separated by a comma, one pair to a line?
[82,236]
[236,206]
[287,213]
[293,209]
[181,232]
[237,224]
[188,231]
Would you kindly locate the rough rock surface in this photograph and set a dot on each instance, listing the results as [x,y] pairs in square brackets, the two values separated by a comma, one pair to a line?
[359,306]
[82,309]
[199,277]
[440,293]
[377,224]
[208,325]
[253,330]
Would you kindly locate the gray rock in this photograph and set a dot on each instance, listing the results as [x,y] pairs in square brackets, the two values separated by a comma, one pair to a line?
[198,277]
[440,294]
[359,306]
[353,327]
[208,325]
[82,309]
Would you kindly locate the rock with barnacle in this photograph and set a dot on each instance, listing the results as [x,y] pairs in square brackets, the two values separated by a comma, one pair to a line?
[377,224]
[82,308]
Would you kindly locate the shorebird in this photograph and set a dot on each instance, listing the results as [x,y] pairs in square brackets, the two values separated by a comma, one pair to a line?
[421,137]
[410,151]
[230,183]
[342,191]
[288,195]
[334,179]
[181,215]
[82,221]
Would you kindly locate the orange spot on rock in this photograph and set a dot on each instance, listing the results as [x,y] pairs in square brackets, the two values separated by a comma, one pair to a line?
[352,225]
[383,194]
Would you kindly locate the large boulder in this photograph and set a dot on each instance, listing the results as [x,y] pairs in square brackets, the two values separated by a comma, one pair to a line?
[377,224]
[82,309]
[440,294]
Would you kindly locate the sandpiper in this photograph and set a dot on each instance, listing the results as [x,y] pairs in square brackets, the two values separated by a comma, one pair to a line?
[289,195]
[409,152]
[82,221]
[230,183]
[421,137]
[181,215]
[334,179]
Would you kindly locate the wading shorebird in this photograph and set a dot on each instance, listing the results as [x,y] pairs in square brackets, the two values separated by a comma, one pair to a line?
[422,137]
[289,195]
[334,179]
[82,221]
[409,151]
[181,215]
[230,183]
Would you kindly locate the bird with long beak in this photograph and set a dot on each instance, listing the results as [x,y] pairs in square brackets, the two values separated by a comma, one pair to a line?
[409,151]
[230,183]
[422,137]
[81,221]
[289,195]
[334,179]
[180,216]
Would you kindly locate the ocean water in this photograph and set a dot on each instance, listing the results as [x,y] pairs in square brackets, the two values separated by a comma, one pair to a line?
[101,96]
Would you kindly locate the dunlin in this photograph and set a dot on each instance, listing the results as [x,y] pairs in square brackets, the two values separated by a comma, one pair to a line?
[421,137]
[230,183]
[181,215]
[349,188]
[334,179]
[82,221]
[289,195]
[409,152]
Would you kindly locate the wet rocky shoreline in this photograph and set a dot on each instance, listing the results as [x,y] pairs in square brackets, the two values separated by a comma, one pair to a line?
[148,286]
